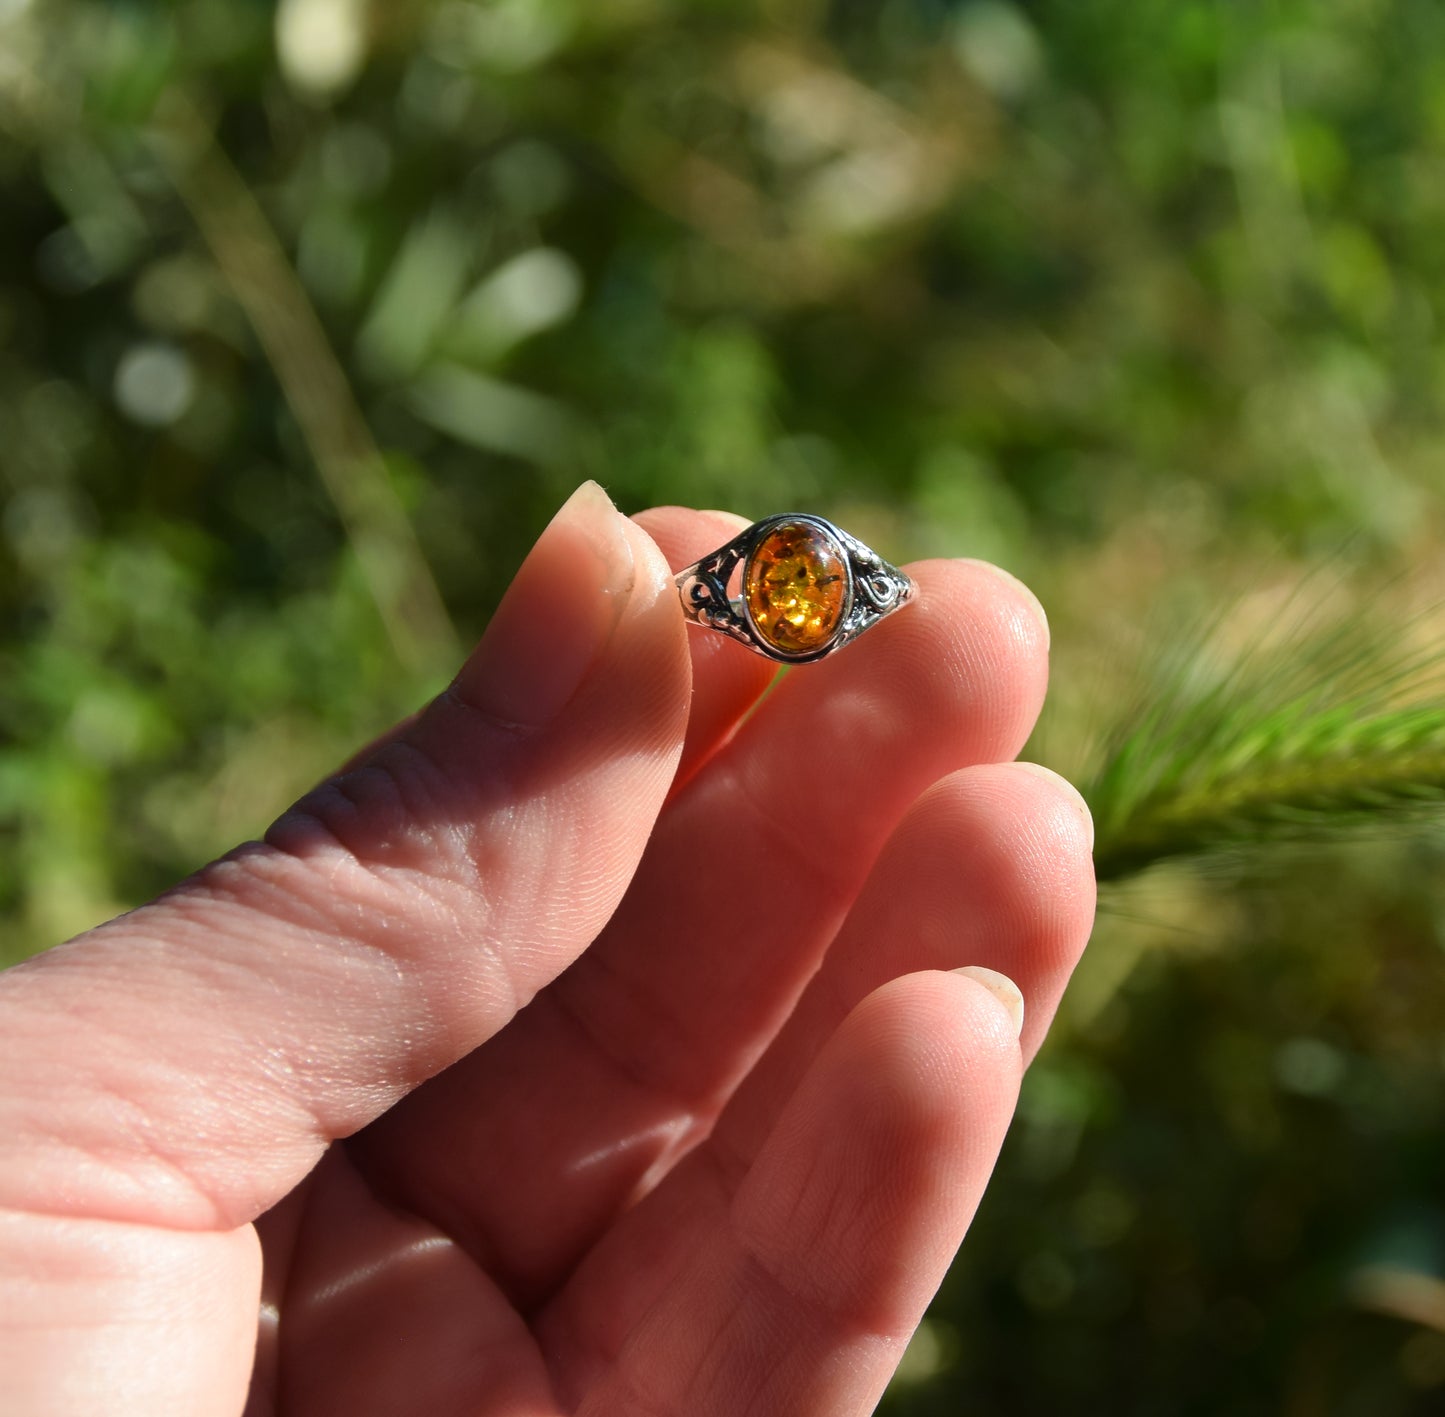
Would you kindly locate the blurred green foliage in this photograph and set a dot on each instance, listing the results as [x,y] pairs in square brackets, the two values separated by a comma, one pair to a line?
[310,315]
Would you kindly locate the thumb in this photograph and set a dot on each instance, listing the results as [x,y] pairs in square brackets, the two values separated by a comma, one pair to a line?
[187,1063]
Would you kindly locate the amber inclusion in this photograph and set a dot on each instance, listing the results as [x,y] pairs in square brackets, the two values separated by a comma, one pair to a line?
[796,588]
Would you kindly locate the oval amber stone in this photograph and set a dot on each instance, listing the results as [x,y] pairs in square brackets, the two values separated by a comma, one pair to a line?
[795,586]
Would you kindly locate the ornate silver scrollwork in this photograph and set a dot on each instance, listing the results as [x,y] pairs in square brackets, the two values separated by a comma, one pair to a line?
[704,590]
[884,588]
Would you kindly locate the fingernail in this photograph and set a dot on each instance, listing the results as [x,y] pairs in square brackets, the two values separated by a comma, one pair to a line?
[556,617]
[1002,988]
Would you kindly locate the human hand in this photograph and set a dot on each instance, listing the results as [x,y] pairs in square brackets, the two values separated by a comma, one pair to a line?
[717,1166]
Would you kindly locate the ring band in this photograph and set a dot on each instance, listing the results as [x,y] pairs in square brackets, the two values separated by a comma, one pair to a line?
[807,588]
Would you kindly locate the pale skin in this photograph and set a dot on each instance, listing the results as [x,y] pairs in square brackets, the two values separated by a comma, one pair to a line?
[717,1167]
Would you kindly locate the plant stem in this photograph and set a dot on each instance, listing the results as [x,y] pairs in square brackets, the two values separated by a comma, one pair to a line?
[250,257]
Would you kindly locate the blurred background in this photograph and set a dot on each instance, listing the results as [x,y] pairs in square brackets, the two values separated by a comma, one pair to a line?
[311,315]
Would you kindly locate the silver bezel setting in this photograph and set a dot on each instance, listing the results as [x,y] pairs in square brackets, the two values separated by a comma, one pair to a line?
[875,588]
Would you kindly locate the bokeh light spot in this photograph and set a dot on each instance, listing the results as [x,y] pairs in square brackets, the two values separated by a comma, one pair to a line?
[154,384]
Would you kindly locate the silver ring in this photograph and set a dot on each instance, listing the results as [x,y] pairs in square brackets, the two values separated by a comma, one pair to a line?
[807,588]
